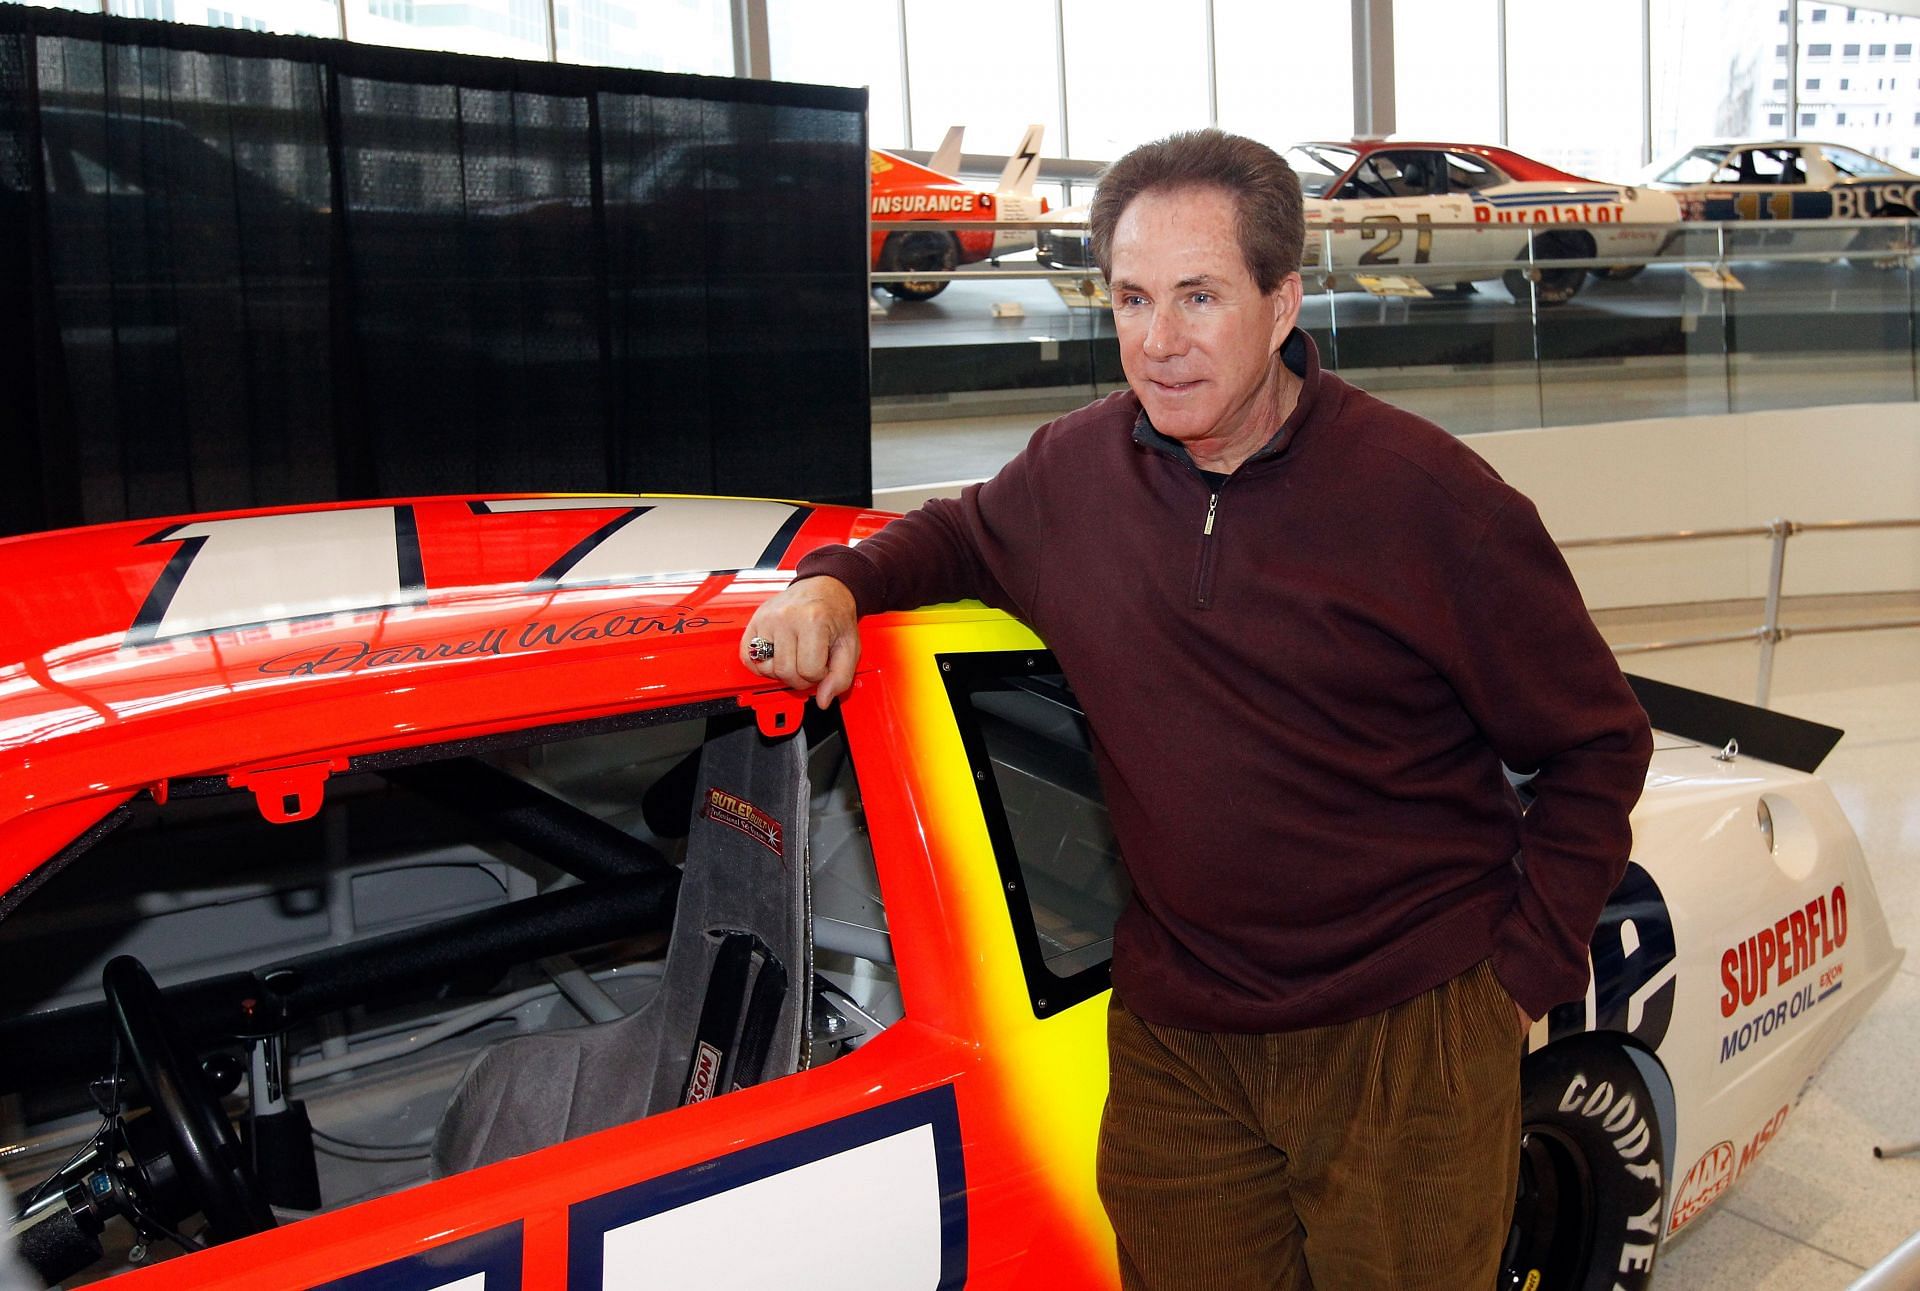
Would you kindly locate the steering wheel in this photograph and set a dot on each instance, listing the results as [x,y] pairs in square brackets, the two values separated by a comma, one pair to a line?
[202,1144]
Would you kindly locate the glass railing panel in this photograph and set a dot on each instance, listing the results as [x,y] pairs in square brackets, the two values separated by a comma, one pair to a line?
[1823,313]
[1643,334]
[967,362]
[1709,318]
[1425,320]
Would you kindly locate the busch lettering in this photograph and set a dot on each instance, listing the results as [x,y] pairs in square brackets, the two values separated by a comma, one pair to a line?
[1859,203]
[1780,952]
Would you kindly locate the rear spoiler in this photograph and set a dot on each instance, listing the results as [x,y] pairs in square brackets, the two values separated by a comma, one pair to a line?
[1773,737]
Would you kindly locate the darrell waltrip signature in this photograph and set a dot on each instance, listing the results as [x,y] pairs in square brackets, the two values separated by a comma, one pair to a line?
[603,625]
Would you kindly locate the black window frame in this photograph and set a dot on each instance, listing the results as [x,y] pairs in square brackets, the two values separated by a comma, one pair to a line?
[965,673]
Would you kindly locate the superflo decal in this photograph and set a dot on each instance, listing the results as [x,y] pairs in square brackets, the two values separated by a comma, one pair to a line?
[1795,947]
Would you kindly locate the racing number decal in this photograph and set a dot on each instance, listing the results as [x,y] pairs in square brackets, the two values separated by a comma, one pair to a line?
[1390,225]
[665,538]
[1633,967]
[1779,206]
[255,569]
[252,570]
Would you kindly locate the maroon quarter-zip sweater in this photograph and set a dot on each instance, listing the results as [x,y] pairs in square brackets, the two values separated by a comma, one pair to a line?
[1302,684]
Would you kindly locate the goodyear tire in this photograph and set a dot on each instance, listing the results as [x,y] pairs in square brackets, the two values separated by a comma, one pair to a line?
[1554,286]
[923,252]
[1888,247]
[1592,1193]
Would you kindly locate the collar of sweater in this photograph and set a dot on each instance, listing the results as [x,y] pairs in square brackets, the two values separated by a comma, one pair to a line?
[1302,358]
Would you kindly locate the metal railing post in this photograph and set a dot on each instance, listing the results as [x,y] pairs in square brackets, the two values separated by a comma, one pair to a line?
[1770,624]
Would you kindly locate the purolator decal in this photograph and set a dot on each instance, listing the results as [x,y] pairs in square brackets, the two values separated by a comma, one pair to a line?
[1786,951]
[724,808]
[1562,210]
[1711,1175]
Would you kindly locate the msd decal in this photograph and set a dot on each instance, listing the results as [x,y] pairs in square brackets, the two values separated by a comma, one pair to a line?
[1761,1138]
[1711,1175]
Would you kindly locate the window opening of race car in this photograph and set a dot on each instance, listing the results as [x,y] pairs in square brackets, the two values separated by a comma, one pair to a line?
[1032,756]
[667,905]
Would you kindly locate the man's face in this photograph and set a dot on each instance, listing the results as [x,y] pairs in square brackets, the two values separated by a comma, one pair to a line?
[1197,335]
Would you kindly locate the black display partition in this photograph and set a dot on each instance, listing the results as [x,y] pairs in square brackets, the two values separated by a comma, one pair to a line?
[244,270]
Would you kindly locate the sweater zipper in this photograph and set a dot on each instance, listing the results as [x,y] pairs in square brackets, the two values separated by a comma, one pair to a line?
[1203,576]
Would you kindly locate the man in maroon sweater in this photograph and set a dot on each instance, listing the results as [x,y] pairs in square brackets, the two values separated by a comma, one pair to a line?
[1307,629]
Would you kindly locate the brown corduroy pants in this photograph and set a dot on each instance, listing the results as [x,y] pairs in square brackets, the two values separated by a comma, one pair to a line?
[1380,1153]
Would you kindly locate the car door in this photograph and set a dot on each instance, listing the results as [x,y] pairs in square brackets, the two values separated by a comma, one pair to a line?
[1388,205]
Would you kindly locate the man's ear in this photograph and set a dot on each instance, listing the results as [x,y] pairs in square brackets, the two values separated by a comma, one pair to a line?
[1286,298]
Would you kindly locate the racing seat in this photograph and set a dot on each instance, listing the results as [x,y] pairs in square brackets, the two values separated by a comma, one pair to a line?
[734,1002]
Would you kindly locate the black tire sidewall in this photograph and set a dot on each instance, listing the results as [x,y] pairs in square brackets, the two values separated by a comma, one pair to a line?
[923,250]
[1592,1097]
[1556,286]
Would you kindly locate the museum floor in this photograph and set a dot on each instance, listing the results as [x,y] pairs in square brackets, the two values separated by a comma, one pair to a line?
[1818,1209]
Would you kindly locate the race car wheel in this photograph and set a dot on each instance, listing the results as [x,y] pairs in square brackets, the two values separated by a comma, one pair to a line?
[1554,286]
[1591,1199]
[200,1141]
[1619,272]
[926,252]
[1889,246]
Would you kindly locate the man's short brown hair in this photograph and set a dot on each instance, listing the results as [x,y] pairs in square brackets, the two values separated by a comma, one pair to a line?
[1265,190]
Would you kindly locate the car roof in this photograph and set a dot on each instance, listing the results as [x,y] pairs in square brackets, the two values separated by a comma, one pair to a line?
[1675,156]
[144,649]
[1516,165]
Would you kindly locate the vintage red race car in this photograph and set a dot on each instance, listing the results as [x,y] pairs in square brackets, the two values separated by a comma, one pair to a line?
[421,894]
[906,192]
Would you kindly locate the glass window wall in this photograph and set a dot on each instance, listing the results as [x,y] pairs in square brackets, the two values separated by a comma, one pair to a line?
[1446,70]
[992,66]
[1581,113]
[667,35]
[286,17]
[1136,71]
[1284,73]
[1709,61]
[860,47]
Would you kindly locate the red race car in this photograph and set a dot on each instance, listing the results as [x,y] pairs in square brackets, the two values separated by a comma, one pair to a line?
[906,191]
[421,894]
